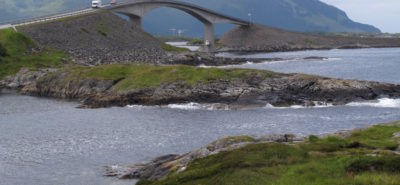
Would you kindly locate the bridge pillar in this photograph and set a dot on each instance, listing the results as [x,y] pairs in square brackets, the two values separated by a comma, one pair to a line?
[136,21]
[209,37]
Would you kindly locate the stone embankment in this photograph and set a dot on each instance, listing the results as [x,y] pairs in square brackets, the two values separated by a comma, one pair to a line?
[98,38]
[259,38]
[251,90]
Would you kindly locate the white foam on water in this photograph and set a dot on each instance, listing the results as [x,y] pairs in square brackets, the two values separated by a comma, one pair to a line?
[198,106]
[382,103]
[317,105]
[187,106]
[332,59]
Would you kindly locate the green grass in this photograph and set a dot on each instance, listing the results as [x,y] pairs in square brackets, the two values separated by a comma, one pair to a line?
[146,76]
[318,161]
[16,45]
[379,137]
[169,48]
[196,42]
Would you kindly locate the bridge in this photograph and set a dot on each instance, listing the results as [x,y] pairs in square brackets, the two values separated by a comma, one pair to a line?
[137,9]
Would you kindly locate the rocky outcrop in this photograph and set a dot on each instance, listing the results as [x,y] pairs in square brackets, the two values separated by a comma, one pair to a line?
[164,165]
[98,38]
[266,39]
[210,59]
[254,89]
[23,78]
[161,167]
[279,91]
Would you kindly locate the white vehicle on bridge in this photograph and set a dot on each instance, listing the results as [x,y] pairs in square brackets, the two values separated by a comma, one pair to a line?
[96,3]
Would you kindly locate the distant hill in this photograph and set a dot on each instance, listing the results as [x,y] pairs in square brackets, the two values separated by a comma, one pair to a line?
[295,15]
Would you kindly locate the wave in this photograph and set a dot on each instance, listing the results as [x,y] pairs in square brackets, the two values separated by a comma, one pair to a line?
[332,59]
[317,105]
[198,106]
[382,103]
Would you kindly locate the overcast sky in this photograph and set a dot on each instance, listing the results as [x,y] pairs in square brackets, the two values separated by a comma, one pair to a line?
[384,14]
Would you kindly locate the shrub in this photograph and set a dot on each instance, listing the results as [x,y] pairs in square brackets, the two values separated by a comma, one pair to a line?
[371,164]
[3,51]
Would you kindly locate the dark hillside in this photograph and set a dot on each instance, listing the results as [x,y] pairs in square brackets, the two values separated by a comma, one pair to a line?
[261,38]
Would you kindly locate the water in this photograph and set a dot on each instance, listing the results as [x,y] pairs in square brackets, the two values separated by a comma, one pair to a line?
[184,45]
[48,141]
[363,64]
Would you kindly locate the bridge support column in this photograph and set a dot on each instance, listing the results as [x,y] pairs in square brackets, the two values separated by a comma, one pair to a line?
[209,37]
[136,21]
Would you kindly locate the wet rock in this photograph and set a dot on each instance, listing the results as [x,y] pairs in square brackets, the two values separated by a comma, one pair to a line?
[210,59]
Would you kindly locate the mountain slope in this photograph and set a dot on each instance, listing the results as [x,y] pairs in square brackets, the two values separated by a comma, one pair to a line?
[295,15]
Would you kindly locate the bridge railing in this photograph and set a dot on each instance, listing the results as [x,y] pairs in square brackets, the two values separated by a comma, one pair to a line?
[66,13]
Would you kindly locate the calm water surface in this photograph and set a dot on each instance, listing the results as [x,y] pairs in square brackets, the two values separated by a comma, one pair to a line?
[47,141]
[363,64]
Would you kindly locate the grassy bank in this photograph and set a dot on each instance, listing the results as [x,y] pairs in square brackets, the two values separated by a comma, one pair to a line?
[144,76]
[364,158]
[18,54]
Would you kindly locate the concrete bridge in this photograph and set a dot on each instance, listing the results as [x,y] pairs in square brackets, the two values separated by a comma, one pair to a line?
[137,9]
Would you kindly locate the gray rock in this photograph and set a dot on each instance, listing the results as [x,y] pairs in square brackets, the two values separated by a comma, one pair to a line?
[25,77]
[396,135]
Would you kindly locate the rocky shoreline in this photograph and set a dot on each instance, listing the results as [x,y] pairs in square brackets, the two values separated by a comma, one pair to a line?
[256,88]
[258,38]
[161,167]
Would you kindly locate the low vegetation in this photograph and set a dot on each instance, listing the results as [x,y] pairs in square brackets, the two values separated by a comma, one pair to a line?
[143,76]
[18,52]
[196,42]
[3,51]
[366,157]
[170,48]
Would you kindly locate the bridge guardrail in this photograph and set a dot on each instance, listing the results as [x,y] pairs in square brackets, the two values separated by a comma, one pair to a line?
[44,18]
